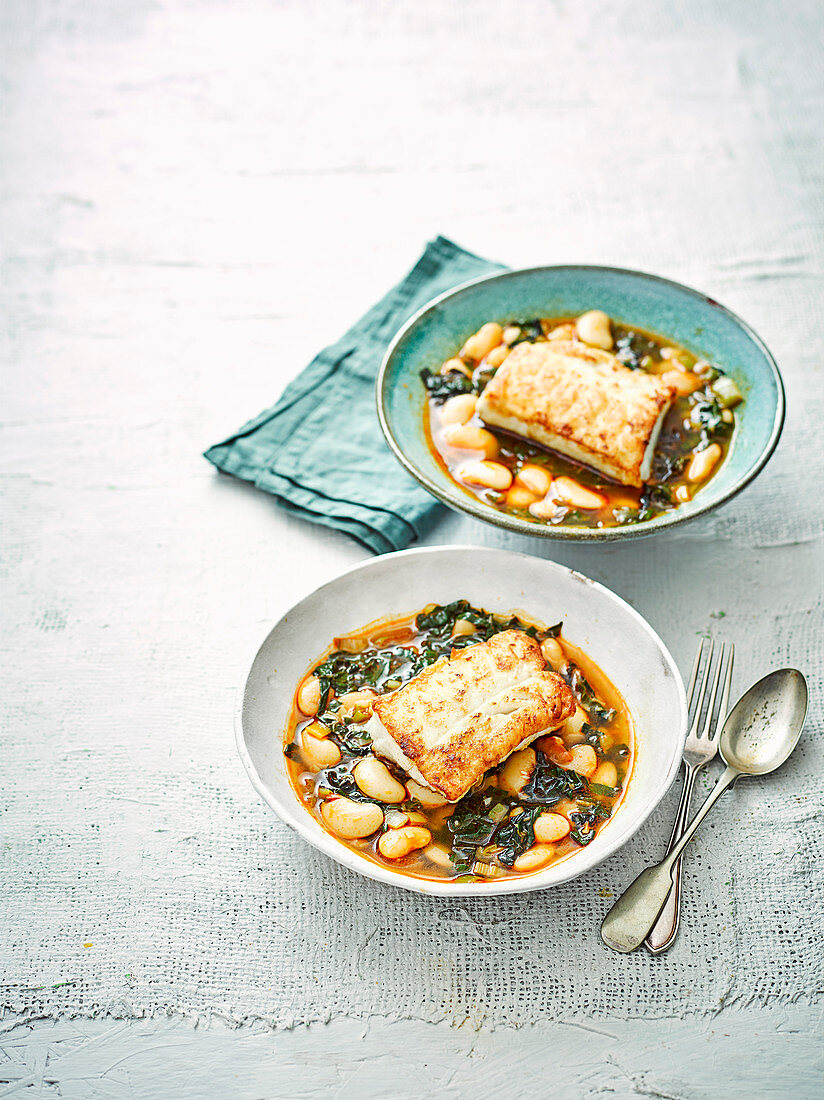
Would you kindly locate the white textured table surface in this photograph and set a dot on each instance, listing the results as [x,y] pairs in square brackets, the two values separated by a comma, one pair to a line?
[198,195]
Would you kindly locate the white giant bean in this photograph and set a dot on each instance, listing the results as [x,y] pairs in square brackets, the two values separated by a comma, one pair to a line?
[606,773]
[376,781]
[703,463]
[594,329]
[483,341]
[550,827]
[470,437]
[351,820]
[400,842]
[552,653]
[309,696]
[459,409]
[576,495]
[487,475]
[534,478]
[428,798]
[536,857]
[319,752]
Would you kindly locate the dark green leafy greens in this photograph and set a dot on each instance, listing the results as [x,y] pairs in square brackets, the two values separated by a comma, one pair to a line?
[632,515]
[346,672]
[470,831]
[666,466]
[441,386]
[516,835]
[531,331]
[592,736]
[440,622]
[340,780]
[548,784]
[348,734]
[583,692]
[473,823]
[585,823]
[632,347]
[481,823]
[655,499]
[708,413]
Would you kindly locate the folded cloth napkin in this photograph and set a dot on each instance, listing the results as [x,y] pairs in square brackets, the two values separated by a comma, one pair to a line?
[285,450]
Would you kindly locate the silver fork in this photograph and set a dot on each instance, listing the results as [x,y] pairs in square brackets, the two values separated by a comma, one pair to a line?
[700,748]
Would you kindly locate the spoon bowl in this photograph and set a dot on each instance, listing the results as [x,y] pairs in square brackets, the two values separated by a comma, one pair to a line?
[765,724]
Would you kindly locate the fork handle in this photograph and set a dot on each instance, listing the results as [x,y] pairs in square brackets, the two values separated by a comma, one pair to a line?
[665,930]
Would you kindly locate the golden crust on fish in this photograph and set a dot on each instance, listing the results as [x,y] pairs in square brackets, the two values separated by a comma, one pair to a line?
[581,402]
[465,714]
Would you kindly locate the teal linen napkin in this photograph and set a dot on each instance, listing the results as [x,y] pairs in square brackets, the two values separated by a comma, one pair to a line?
[358,486]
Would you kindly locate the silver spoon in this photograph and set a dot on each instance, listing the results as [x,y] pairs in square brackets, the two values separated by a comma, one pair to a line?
[760,732]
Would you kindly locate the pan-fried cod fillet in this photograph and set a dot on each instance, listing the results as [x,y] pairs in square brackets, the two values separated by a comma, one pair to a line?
[581,402]
[465,714]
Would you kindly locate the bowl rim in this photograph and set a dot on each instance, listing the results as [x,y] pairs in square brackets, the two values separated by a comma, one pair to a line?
[471,506]
[338,851]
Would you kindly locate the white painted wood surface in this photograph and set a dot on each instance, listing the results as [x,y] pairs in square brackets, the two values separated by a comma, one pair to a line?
[198,195]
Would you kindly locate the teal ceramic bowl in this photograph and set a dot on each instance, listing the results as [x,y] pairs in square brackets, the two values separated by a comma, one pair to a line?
[685,316]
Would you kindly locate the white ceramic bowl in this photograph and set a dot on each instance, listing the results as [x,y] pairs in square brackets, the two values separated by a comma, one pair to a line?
[609,631]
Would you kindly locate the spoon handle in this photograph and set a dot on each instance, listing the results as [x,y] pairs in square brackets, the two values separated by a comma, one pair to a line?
[631,918]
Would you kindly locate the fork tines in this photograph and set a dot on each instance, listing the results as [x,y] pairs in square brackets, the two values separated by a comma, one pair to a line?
[702,699]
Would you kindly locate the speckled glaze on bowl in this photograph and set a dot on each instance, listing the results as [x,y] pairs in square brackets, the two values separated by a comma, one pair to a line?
[689,318]
[612,633]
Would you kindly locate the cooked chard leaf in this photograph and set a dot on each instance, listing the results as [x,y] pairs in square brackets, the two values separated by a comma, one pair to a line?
[548,783]
[351,737]
[531,331]
[471,828]
[474,823]
[631,348]
[291,749]
[441,386]
[343,672]
[583,692]
[470,831]
[603,789]
[666,466]
[632,515]
[341,781]
[584,826]
[481,821]
[440,621]
[656,498]
[592,735]
[708,413]
[516,835]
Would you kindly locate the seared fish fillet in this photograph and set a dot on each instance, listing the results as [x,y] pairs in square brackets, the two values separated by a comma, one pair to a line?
[581,402]
[466,713]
